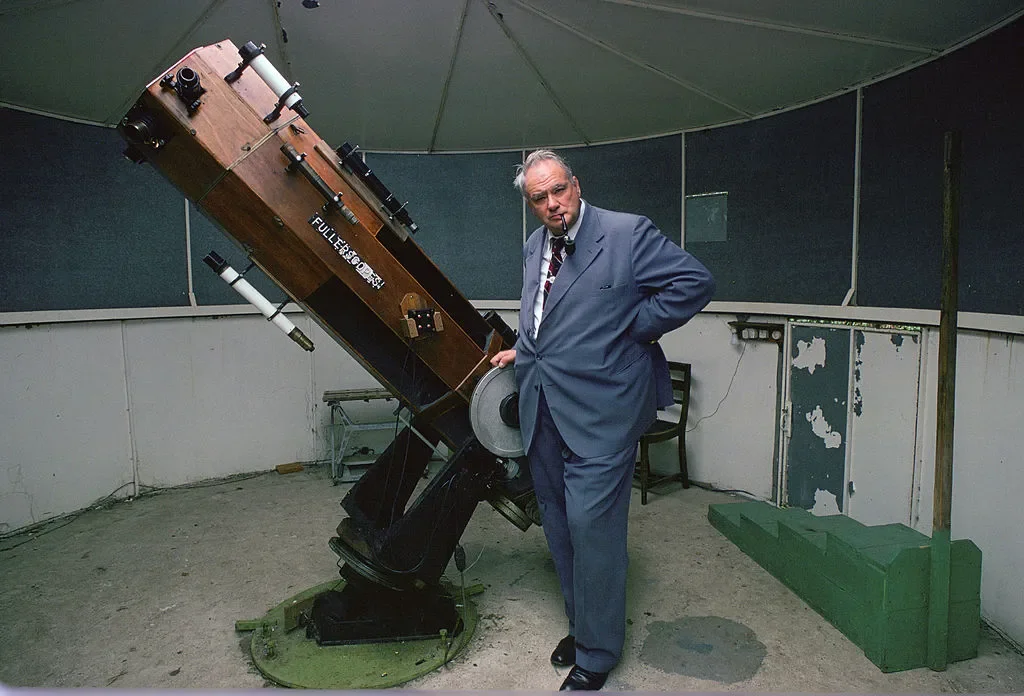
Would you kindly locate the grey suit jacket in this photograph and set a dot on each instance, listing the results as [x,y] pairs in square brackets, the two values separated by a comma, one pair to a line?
[595,354]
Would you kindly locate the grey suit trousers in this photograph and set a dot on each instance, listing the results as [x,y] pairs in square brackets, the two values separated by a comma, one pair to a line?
[584,505]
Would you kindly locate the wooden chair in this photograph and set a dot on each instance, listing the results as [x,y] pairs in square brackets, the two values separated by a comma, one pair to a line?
[662,430]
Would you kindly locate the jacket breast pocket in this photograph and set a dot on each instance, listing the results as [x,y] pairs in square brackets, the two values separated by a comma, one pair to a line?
[607,293]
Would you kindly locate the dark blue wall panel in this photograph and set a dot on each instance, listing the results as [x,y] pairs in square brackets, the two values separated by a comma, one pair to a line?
[643,177]
[470,218]
[789,180]
[978,91]
[80,226]
[83,228]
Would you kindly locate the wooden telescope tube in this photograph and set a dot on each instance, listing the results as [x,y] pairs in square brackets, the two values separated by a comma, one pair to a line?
[233,137]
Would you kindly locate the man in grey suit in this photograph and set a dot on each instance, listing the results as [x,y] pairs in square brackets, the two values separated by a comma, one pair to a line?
[599,289]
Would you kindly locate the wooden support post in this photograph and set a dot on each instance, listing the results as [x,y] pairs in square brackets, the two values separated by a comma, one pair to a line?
[938,614]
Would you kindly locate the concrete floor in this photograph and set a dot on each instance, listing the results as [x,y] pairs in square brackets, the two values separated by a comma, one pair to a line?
[145,594]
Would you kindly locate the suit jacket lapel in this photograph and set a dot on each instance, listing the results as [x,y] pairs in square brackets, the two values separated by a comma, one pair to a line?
[588,246]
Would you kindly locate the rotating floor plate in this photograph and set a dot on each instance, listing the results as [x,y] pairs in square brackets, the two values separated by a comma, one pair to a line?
[290,659]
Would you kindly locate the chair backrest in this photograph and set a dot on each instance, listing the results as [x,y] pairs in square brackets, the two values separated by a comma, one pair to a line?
[680,373]
[663,429]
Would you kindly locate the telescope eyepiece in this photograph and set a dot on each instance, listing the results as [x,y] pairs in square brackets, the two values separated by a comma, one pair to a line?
[214,261]
[188,87]
[185,84]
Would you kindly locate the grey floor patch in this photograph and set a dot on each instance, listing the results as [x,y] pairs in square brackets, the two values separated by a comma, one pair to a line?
[704,647]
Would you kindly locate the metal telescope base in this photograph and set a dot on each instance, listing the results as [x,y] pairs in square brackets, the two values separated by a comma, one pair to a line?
[283,653]
[364,612]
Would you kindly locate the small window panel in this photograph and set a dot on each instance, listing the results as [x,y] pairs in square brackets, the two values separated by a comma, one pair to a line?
[706,217]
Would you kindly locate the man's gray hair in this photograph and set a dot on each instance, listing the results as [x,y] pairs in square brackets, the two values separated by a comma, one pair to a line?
[533,158]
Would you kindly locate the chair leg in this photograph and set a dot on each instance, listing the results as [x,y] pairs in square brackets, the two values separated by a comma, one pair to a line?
[684,472]
[645,470]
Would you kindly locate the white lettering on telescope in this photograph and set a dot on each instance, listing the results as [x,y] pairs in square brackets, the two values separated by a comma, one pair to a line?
[346,252]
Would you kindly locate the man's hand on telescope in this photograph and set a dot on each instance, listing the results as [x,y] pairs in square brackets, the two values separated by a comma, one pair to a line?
[503,358]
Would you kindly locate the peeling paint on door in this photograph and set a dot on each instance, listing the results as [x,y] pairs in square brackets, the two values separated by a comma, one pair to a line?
[819,391]
[878,369]
[858,398]
[821,428]
[825,503]
[810,355]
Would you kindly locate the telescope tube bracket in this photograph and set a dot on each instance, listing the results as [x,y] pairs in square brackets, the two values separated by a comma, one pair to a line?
[287,93]
[297,161]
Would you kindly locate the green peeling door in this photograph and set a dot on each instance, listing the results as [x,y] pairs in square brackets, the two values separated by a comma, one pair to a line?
[819,387]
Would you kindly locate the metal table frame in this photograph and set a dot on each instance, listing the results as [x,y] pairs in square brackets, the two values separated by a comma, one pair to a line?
[340,419]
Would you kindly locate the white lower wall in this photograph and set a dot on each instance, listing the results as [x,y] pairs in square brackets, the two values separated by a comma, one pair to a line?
[212,397]
[988,465]
[96,408]
[731,428]
[64,435]
[92,409]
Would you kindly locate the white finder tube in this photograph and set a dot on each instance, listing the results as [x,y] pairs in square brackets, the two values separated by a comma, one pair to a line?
[244,288]
[274,79]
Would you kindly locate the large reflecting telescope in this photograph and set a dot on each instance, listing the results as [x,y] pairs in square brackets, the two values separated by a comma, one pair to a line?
[230,132]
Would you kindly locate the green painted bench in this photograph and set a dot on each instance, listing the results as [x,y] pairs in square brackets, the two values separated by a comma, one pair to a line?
[870,582]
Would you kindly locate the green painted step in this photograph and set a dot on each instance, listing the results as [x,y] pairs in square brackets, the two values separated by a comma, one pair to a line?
[870,582]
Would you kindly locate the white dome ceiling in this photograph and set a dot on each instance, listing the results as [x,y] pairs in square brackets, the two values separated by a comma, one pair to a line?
[470,75]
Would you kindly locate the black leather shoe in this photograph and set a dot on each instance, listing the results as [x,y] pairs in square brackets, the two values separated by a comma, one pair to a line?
[565,653]
[580,679]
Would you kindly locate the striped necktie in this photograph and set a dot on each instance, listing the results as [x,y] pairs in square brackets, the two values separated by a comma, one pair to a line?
[557,246]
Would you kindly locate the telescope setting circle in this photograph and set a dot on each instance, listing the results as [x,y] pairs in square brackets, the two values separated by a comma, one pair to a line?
[494,412]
